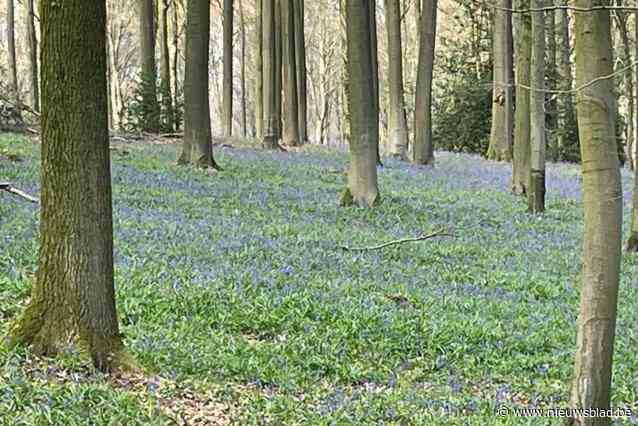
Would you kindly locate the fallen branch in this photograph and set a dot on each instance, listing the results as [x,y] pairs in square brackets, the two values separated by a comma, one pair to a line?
[171,135]
[5,186]
[395,242]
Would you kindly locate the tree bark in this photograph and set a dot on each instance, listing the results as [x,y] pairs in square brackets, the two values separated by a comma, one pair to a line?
[302,73]
[423,149]
[500,148]
[291,104]
[362,177]
[632,242]
[197,144]
[397,128]
[165,69]
[73,298]
[32,45]
[176,81]
[602,201]
[566,116]
[228,69]
[259,73]
[278,70]
[522,151]
[374,57]
[622,19]
[270,127]
[13,67]
[536,192]
[242,31]
[151,109]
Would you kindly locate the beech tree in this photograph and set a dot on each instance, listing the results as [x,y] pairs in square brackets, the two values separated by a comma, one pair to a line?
[523,51]
[197,145]
[423,149]
[13,67]
[364,139]
[602,200]
[150,106]
[500,147]
[397,125]
[228,69]
[165,68]
[270,127]
[291,104]
[73,297]
[536,189]
[32,47]
[302,73]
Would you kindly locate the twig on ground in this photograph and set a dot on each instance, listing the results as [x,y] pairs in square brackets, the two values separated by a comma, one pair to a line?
[5,186]
[395,242]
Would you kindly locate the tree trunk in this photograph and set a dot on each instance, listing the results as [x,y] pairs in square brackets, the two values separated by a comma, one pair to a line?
[374,57]
[176,82]
[423,149]
[552,81]
[165,69]
[632,242]
[151,110]
[242,30]
[536,190]
[228,68]
[521,164]
[398,128]
[13,67]
[362,176]
[344,116]
[291,104]
[32,45]
[198,147]
[259,70]
[302,74]
[270,127]
[278,69]
[623,18]
[566,117]
[73,298]
[500,148]
[602,201]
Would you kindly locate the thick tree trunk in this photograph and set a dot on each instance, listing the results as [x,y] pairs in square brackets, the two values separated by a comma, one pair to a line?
[536,189]
[228,69]
[278,70]
[270,127]
[259,73]
[73,297]
[632,242]
[423,149]
[165,68]
[522,153]
[302,74]
[397,128]
[198,145]
[602,201]
[13,67]
[362,176]
[291,104]
[151,109]
[500,148]
[32,45]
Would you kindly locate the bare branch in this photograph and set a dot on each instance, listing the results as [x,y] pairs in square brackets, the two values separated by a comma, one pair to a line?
[5,186]
[402,241]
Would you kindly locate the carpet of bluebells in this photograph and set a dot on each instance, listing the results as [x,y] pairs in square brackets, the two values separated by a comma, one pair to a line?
[236,282]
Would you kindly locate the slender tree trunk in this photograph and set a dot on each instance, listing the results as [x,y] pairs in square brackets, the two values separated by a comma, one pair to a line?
[242,30]
[175,67]
[344,115]
[165,68]
[198,146]
[536,192]
[13,67]
[374,50]
[602,201]
[398,128]
[73,298]
[551,75]
[566,117]
[270,127]
[521,164]
[423,149]
[278,70]
[623,18]
[151,110]
[500,148]
[302,73]
[259,73]
[362,176]
[228,68]
[32,45]
[291,105]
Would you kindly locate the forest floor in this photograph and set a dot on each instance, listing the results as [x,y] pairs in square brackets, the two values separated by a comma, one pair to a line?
[237,298]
